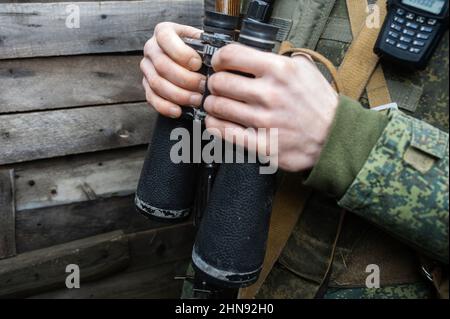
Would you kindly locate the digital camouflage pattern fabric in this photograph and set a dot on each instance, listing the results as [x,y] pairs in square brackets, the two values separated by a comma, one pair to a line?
[403,186]
[422,95]
[418,291]
[399,200]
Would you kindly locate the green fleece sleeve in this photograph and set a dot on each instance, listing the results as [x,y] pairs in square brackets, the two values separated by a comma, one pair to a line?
[354,132]
[392,170]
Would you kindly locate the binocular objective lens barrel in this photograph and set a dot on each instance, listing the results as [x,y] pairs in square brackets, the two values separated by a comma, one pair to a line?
[230,246]
[166,189]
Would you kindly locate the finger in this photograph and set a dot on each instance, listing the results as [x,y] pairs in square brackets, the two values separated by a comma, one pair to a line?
[233,133]
[176,74]
[164,107]
[236,57]
[236,87]
[168,35]
[166,89]
[237,112]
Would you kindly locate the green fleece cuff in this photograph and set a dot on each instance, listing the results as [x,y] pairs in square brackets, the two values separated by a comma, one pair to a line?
[353,134]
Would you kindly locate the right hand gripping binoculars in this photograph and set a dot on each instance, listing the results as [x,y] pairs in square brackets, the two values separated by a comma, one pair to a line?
[232,201]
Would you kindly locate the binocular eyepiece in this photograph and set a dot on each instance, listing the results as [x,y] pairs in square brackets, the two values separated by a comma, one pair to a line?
[230,246]
[219,23]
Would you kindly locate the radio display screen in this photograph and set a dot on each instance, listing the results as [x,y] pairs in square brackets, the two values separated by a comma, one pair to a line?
[432,6]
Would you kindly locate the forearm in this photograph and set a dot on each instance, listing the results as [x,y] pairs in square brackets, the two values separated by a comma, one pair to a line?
[402,184]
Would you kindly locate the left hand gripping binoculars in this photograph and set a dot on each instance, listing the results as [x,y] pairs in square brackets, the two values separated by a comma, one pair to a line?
[232,201]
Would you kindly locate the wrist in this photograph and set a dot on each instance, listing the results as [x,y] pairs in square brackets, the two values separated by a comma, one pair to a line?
[331,100]
[352,135]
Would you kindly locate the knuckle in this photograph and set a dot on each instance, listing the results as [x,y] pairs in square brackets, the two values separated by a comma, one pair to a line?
[148,46]
[287,68]
[211,104]
[160,27]
[159,64]
[209,122]
[154,82]
[214,82]
[264,120]
[156,107]
[226,54]
[149,97]
[281,68]
[191,81]
[270,97]
[142,65]
[182,98]
[163,35]
[220,107]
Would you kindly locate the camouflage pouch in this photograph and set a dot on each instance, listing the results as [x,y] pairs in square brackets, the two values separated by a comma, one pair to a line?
[308,19]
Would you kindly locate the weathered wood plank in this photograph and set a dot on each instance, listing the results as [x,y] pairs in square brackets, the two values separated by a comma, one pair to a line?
[41,228]
[92,176]
[31,136]
[47,1]
[61,82]
[157,246]
[157,256]
[7,214]
[151,283]
[45,269]
[40,29]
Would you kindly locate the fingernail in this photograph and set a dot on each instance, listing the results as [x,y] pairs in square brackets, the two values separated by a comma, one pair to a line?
[196,99]
[202,85]
[174,112]
[195,64]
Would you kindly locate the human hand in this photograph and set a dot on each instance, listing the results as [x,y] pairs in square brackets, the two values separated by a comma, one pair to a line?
[169,66]
[289,94]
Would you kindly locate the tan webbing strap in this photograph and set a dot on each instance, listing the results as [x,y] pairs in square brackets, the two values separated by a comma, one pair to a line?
[357,70]
[291,197]
[360,61]
[377,88]
[288,205]
[357,14]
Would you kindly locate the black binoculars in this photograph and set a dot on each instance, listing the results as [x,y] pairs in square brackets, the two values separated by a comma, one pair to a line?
[232,201]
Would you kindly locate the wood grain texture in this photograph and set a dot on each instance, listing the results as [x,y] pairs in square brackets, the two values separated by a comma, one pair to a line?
[41,228]
[151,283]
[157,256]
[158,246]
[31,136]
[78,178]
[39,29]
[61,82]
[7,214]
[44,269]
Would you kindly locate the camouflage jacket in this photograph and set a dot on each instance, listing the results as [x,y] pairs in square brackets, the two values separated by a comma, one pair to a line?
[398,200]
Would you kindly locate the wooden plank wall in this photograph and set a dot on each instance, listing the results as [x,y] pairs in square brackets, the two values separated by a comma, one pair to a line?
[116,26]
[74,129]
[7,214]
